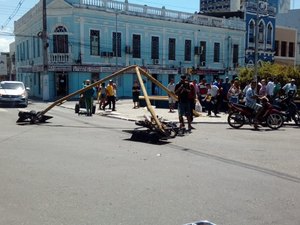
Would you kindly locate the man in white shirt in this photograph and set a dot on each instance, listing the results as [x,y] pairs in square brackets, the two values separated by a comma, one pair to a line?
[290,88]
[270,89]
[211,98]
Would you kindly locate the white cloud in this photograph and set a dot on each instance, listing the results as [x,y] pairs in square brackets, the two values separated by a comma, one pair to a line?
[4,43]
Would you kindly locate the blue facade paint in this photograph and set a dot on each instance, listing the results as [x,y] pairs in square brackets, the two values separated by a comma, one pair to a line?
[267,18]
[78,18]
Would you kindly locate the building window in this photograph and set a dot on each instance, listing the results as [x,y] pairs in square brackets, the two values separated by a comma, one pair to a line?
[171,77]
[117,44]
[136,46]
[291,49]
[172,48]
[155,48]
[95,42]
[187,50]
[283,48]
[95,77]
[251,32]
[33,47]
[217,52]
[261,32]
[34,79]
[60,40]
[23,52]
[270,32]
[202,53]
[276,48]
[235,55]
[27,49]
[18,53]
[38,46]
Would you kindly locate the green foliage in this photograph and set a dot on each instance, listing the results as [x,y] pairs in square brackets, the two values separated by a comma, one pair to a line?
[283,73]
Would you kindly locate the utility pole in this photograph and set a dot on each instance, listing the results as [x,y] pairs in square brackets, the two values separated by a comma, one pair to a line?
[45,53]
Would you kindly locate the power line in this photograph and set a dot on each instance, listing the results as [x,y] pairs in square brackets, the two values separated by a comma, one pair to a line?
[13,14]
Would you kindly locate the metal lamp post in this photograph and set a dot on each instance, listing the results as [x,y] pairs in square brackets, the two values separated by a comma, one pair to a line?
[256,43]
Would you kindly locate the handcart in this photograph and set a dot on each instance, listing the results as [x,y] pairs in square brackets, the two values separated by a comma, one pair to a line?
[80,106]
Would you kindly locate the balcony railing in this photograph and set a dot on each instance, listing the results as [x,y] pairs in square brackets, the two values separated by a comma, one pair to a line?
[142,11]
[161,13]
[60,58]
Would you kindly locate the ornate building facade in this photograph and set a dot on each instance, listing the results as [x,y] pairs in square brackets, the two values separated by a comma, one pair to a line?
[89,39]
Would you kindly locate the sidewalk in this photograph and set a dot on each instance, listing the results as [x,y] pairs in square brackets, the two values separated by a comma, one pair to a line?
[125,111]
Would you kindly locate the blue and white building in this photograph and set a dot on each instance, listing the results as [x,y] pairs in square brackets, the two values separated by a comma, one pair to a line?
[90,39]
[260,18]
[257,14]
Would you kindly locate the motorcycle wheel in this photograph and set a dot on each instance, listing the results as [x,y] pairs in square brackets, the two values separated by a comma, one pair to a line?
[296,118]
[275,121]
[235,120]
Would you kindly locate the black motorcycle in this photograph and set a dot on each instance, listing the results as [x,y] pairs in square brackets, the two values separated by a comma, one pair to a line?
[288,108]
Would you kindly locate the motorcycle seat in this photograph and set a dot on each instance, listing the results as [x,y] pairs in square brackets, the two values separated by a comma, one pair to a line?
[240,105]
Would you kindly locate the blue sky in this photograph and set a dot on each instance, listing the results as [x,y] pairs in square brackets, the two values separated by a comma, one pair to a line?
[9,8]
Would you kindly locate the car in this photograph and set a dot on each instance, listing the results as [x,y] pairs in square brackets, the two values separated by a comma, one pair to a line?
[202,222]
[13,93]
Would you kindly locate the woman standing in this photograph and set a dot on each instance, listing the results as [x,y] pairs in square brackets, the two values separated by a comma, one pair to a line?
[102,95]
[234,92]
[135,95]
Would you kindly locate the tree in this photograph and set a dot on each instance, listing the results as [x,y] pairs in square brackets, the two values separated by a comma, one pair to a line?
[283,73]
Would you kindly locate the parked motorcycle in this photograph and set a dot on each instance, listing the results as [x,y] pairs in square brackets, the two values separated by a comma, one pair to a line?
[241,114]
[288,107]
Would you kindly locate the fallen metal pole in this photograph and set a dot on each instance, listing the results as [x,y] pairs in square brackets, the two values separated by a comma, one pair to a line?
[153,114]
[170,93]
[62,100]
[37,117]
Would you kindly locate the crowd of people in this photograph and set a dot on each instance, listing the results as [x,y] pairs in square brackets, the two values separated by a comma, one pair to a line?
[107,95]
[216,96]
[202,97]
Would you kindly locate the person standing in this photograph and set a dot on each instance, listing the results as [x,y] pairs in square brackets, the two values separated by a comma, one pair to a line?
[182,90]
[111,99]
[263,88]
[202,94]
[211,99]
[277,88]
[115,91]
[102,95]
[171,87]
[234,92]
[136,94]
[88,98]
[193,97]
[270,89]
[225,88]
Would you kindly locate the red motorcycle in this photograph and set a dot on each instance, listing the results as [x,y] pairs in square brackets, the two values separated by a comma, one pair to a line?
[241,114]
